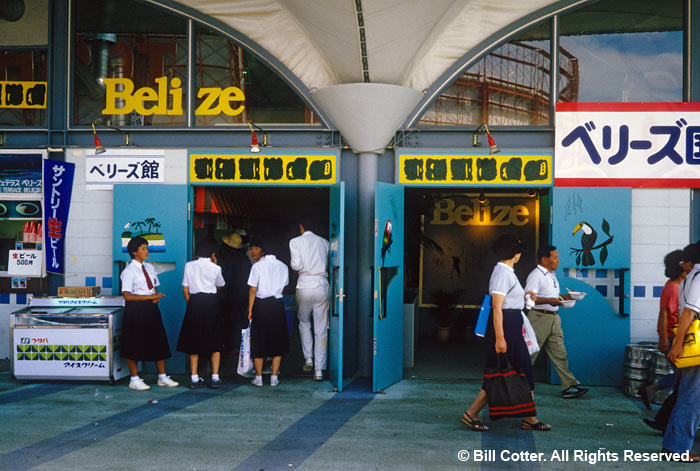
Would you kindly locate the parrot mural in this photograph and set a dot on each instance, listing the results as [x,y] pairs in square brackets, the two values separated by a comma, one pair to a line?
[386,240]
[386,274]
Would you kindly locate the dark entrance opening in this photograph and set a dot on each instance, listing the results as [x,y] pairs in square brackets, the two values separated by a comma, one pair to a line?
[448,263]
[271,213]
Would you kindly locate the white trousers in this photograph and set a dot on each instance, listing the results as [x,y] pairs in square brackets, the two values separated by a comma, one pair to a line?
[313,301]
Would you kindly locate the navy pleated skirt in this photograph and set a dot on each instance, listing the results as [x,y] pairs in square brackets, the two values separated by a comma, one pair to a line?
[517,353]
[143,336]
[268,330]
[202,330]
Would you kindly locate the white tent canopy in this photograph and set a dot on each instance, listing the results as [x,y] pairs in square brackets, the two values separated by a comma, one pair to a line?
[407,42]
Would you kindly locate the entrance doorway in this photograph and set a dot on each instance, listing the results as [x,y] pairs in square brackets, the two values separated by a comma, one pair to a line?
[448,263]
[273,213]
[269,212]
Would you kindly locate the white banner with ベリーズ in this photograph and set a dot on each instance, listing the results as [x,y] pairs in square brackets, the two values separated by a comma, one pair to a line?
[640,145]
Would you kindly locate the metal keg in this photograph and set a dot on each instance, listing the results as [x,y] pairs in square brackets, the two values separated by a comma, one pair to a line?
[636,371]
[659,396]
[659,364]
[632,386]
[638,355]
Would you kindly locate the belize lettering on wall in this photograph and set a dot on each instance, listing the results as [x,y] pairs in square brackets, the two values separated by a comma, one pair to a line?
[636,145]
[432,168]
[121,98]
[277,168]
[464,229]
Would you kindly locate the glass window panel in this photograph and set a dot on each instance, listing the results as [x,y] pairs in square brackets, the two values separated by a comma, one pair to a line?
[264,97]
[24,37]
[24,23]
[23,66]
[622,51]
[137,45]
[510,86]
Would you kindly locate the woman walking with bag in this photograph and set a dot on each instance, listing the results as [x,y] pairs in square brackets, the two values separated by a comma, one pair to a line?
[504,334]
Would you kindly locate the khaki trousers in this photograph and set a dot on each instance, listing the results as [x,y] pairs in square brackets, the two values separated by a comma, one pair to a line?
[550,338]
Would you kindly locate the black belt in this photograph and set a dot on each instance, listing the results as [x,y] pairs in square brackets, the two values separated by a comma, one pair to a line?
[545,311]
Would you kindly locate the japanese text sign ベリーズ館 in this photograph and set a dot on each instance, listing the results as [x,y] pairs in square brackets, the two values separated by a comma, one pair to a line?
[464,169]
[278,167]
[124,166]
[638,145]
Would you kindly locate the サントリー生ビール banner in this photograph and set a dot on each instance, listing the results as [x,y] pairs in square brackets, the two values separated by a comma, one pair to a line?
[640,145]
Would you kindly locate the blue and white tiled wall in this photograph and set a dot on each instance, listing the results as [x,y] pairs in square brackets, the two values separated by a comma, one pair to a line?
[660,224]
[605,281]
[88,236]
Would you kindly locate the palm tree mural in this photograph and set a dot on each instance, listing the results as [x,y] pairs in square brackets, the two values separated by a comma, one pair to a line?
[150,222]
[149,229]
[138,225]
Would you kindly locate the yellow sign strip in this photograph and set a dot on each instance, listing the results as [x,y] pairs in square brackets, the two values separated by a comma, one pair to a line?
[23,95]
[268,168]
[475,169]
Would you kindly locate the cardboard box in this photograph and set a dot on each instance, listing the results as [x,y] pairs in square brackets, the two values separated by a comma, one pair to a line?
[78,291]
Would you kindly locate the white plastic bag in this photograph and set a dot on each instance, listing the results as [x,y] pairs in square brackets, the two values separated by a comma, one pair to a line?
[529,336]
[245,363]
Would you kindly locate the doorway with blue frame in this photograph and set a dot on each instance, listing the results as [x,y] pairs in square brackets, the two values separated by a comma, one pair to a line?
[448,263]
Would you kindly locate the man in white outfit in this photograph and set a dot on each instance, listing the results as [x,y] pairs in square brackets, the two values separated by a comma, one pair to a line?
[309,254]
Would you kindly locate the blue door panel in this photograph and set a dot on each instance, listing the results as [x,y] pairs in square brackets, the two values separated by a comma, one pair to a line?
[337,268]
[388,285]
[159,214]
[591,228]
[595,337]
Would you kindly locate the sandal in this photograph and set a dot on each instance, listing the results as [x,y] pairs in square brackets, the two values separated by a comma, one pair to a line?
[537,426]
[472,424]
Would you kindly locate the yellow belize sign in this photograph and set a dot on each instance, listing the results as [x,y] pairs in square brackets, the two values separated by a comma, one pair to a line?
[25,95]
[274,168]
[121,98]
[478,169]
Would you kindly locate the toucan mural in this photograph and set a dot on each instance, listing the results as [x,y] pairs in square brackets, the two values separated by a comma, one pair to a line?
[589,236]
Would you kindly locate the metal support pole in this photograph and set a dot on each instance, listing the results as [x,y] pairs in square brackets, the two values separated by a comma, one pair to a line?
[367,177]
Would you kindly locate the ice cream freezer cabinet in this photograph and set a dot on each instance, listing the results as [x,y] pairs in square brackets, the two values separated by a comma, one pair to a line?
[68,339]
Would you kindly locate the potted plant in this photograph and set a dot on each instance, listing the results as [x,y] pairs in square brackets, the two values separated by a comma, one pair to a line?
[445,301]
